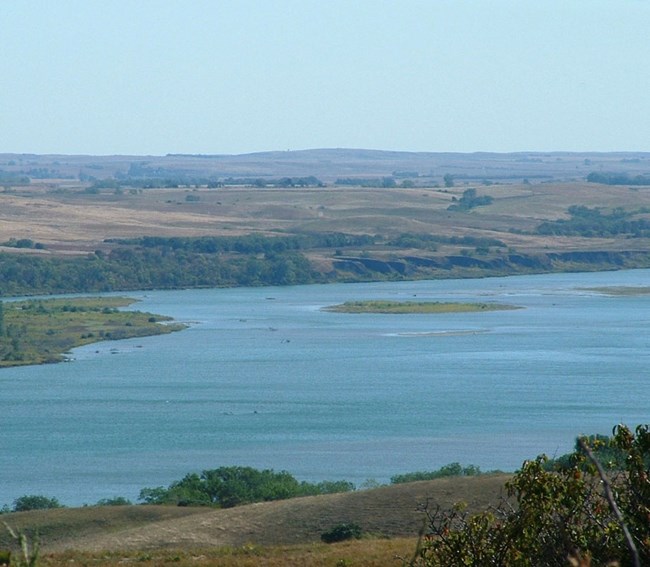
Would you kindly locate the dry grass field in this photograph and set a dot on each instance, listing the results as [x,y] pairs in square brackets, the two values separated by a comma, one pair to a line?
[70,221]
[270,533]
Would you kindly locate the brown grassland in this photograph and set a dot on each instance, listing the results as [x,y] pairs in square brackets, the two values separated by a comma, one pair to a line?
[271,533]
[70,221]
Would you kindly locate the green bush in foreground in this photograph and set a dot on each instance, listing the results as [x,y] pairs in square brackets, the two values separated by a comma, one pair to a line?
[550,515]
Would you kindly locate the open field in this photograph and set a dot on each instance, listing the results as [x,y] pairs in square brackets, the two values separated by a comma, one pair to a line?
[250,535]
[526,188]
[74,222]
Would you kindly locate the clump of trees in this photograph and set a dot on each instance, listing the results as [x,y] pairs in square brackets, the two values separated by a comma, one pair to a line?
[376,182]
[588,222]
[35,502]
[617,178]
[470,200]
[583,507]
[249,243]
[226,487]
[430,241]
[452,469]
[23,243]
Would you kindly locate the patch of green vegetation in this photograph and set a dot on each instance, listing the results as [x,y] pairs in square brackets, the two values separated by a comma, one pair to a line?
[586,508]
[404,307]
[617,178]
[470,200]
[446,471]
[42,331]
[590,223]
[226,487]
[342,532]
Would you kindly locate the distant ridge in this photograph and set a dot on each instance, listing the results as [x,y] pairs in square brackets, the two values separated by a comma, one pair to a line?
[328,164]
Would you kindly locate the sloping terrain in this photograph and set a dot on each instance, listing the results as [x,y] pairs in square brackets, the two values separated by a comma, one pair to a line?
[389,511]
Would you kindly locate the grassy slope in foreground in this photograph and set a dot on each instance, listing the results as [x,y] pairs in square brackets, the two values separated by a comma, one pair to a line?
[42,331]
[402,307]
[393,511]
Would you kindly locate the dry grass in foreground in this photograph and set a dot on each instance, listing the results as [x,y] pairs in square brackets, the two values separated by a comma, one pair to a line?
[360,553]
[285,532]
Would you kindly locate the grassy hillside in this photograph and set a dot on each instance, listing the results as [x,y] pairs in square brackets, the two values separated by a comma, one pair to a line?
[161,532]
[55,239]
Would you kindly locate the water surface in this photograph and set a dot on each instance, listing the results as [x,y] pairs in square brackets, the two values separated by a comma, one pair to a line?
[264,378]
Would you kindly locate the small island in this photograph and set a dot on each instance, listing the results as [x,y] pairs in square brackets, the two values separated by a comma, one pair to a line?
[40,331]
[618,290]
[422,307]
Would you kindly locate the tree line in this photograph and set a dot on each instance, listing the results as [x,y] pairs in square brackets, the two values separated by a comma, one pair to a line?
[617,178]
[153,262]
[133,268]
[584,221]
[250,243]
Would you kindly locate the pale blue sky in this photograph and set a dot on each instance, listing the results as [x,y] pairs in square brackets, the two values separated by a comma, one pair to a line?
[237,76]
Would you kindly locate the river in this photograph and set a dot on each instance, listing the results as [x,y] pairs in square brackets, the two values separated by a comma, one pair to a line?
[263,377]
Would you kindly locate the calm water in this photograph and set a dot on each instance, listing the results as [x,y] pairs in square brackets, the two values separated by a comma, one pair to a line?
[264,378]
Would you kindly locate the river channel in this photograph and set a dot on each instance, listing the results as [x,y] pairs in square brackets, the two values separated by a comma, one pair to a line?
[264,377]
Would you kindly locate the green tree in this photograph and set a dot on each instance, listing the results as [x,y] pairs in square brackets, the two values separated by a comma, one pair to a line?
[35,502]
[551,514]
[115,501]
[231,486]
[449,180]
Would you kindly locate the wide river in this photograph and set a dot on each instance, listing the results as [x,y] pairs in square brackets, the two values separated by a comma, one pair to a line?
[264,377]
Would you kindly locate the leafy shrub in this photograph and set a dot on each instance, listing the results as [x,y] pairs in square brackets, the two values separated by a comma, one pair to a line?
[231,486]
[549,514]
[116,501]
[602,446]
[342,532]
[35,502]
[470,200]
[452,469]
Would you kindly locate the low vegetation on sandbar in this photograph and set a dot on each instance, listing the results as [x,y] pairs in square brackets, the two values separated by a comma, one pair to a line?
[39,331]
[403,307]
[619,290]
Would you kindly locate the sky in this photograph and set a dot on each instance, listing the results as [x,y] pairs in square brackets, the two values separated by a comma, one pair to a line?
[239,76]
